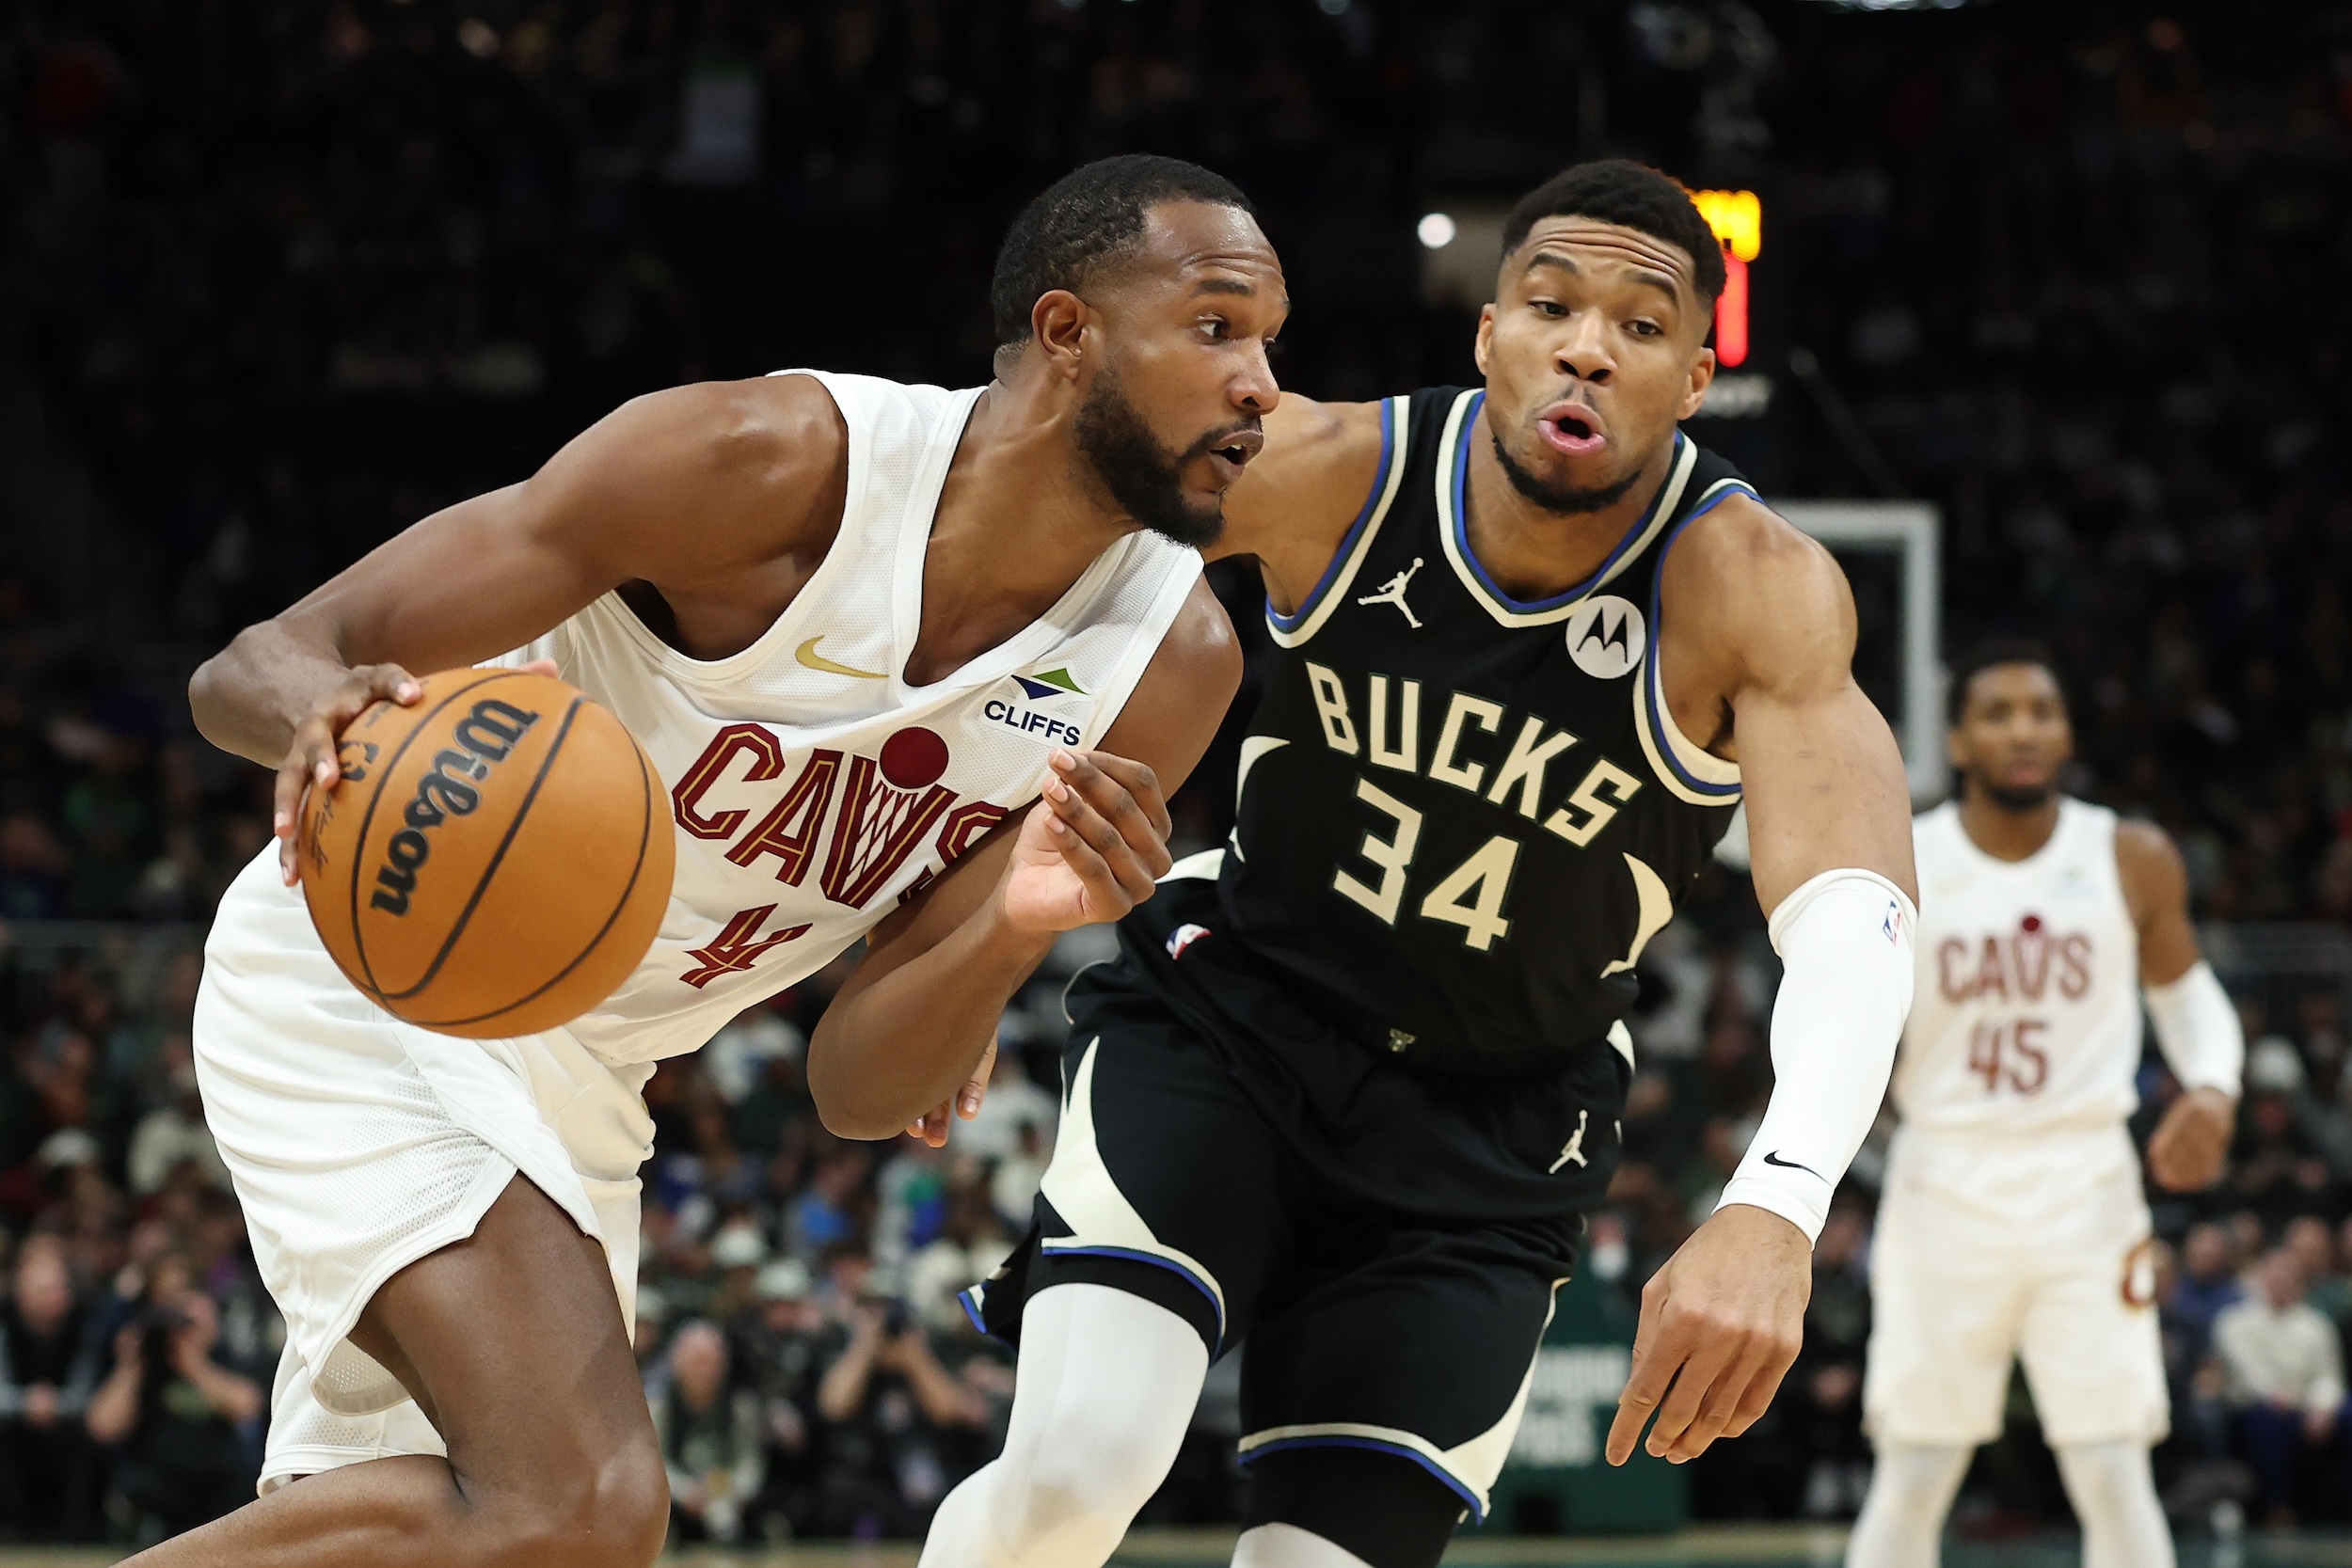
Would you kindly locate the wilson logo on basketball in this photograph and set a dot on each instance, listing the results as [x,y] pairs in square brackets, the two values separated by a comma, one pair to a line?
[483,736]
[551,861]
[855,819]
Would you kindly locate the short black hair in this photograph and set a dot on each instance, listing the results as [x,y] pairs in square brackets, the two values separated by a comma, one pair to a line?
[1619,191]
[1090,215]
[1993,652]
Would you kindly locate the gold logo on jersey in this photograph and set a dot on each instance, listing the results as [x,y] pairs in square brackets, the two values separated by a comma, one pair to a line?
[809,658]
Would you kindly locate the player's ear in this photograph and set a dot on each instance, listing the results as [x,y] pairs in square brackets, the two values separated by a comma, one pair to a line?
[1952,753]
[1486,335]
[1058,322]
[1702,376]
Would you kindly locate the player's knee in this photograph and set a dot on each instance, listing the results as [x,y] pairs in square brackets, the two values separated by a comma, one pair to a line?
[615,1516]
[1915,1486]
[2102,1476]
[632,1508]
[1096,1472]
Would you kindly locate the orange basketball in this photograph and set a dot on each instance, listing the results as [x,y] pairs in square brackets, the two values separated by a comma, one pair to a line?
[495,860]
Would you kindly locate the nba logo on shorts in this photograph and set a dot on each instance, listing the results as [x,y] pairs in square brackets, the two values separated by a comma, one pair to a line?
[1183,937]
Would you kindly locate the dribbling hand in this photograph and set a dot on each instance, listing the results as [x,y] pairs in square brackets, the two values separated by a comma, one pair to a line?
[1720,1325]
[1091,849]
[312,761]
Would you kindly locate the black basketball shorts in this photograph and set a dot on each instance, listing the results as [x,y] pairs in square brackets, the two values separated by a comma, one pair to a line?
[1380,1311]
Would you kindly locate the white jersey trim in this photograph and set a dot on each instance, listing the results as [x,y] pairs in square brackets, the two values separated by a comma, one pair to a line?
[1454,524]
[840,555]
[1111,698]
[1671,752]
[1294,629]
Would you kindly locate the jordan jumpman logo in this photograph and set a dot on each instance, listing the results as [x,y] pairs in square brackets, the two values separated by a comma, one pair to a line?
[1576,1146]
[1392,591]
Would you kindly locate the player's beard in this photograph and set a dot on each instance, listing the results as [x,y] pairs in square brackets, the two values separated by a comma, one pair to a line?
[1145,479]
[2019,799]
[1567,499]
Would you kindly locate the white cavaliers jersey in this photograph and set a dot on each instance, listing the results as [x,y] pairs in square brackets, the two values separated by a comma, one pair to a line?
[812,787]
[2026,1017]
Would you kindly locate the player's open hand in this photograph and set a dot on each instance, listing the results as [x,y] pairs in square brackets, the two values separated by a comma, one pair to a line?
[932,1127]
[1721,1324]
[2186,1151]
[1091,849]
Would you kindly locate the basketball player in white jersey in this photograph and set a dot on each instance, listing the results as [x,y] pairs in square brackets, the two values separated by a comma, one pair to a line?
[859,627]
[2014,1224]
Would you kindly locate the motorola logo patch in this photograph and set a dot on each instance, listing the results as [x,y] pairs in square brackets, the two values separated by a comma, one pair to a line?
[1607,636]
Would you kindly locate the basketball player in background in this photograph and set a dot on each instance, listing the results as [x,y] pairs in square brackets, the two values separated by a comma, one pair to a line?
[860,627]
[2013,1223]
[1353,1082]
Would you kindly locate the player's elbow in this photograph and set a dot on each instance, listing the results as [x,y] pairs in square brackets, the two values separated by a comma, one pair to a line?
[857,1122]
[204,698]
[213,692]
[850,1103]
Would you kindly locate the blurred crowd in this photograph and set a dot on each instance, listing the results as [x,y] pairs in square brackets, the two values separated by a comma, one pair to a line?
[136,1343]
[282,278]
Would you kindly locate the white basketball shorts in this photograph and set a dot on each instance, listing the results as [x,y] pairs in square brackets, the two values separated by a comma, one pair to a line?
[1991,1249]
[360,1144]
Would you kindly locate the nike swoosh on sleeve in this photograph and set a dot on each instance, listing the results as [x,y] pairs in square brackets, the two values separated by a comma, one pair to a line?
[808,656]
[1773,1158]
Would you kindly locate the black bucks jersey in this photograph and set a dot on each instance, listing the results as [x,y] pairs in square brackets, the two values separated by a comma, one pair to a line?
[1346,1090]
[1461,816]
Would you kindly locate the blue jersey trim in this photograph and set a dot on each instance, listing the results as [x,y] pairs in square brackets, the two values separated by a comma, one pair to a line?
[1477,1510]
[1355,530]
[1136,1256]
[1461,525]
[1728,489]
[1651,679]
[969,1299]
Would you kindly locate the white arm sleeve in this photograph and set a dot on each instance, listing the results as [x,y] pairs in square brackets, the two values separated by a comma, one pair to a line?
[2198,1031]
[1844,941]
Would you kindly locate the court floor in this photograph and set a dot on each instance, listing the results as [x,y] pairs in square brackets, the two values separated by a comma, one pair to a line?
[1735,1547]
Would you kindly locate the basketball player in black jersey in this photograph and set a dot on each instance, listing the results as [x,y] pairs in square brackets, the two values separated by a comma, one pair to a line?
[1353,1081]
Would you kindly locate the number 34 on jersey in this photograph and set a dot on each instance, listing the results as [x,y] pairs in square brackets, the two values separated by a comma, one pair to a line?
[1470,753]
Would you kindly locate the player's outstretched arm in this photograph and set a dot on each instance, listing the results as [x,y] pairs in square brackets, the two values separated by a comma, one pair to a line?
[2197,1027]
[902,1038]
[686,490]
[1829,830]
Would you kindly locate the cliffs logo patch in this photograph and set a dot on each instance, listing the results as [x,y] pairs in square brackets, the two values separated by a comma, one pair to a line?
[1607,636]
[1051,683]
[1040,709]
